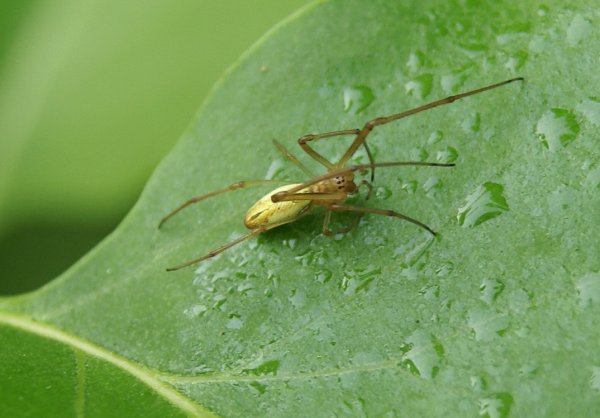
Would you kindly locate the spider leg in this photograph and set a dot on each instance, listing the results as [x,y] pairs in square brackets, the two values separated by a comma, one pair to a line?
[305,140]
[277,197]
[329,232]
[252,233]
[231,187]
[343,208]
[219,250]
[292,158]
[361,136]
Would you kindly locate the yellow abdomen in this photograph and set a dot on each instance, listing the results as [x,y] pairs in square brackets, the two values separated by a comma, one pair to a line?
[266,213]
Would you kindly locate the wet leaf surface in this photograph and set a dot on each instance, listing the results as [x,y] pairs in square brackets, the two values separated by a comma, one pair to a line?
[497,319]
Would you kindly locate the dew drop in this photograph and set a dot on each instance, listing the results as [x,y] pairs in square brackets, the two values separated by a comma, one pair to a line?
[590,108]
[496,405]
[561,198]
[268,367]
[490,290]
[415,61]
[472,124]
[432,186]
[435,137]
[297,298]
[413,250]
[557,128]
[592,180]
[419,87]
[579,29]
[383,193]
[422,354]
[453,82]
[259,387]
[418,154]
[478,383]
[274,169]
[516,61]
[409,186]
[195,311]
[235,321]
[529,369]
[485,203]
[357,99]
[588,289]
[430,292]
[358,280]
[595,379]
[448,155]
[323,276]
[487,324]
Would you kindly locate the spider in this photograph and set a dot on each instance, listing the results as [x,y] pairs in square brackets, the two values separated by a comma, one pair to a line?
[288,203]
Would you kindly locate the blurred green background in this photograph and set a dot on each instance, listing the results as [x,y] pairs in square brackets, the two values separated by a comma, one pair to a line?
[92,95]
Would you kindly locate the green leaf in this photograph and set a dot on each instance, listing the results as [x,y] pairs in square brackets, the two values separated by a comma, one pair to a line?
[497,316]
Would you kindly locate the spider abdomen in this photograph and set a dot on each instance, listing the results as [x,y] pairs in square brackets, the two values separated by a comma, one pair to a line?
[265,212]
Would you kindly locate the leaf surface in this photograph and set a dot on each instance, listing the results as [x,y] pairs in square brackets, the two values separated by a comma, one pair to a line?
[497,316]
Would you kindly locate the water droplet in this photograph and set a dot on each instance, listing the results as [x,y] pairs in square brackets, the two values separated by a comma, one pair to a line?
[414,249]
[268,367]
[383,192]
[444,269]
[595,380]
[290,243]
[516,61]
[297,298]
[478,383]
[513,33]
[487,324]
[235,321]
[484,204]
[579,29]
[195,311]
[419,87]
[448,155]
[519,300]
[409,186]
[432,186]
[435,137]
[557,128]
[472,124]
[357,99]
[529,369]
[219,301]
[496,405]
[274,169]
[561,198]
[453,82]
[473,47]
[323,276]
[490,290]
[590,108]
[422,354]
[418,154]
[592,180]
[353,407]
[430,292]
[415,61]
[588,289]
[260,388]
[357,280]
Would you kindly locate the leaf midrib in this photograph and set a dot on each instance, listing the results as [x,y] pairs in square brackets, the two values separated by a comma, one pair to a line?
[78,345]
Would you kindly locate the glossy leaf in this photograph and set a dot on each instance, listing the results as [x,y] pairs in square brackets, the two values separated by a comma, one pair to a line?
[497,316]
